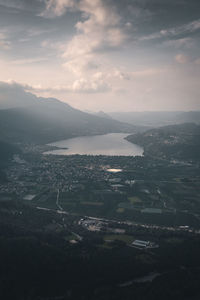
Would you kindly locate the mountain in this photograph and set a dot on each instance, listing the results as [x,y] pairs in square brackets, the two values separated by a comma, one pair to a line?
[180,142]
[103,115]
[25,117]
[190,116]
[157,118]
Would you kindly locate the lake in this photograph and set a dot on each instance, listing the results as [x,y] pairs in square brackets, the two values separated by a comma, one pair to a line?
[108,144]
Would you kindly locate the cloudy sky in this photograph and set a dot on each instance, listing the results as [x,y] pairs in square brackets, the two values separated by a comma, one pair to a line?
[111,55]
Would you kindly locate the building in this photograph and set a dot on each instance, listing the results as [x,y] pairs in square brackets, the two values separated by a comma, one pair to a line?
[143,244]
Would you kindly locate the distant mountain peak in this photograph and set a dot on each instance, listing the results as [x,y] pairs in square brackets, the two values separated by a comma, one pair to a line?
[104,115]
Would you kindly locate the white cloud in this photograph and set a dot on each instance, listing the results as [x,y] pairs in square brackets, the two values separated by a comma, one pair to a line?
[166,33]
[32,32]
[100,31]
[56,8]
[96,84]
[180,43]
[182,58]
[4,43]
[29,61]
[82,65]
[17,4]
[99,82]
[116,73]
[195,25]
[197,61]
[189,27]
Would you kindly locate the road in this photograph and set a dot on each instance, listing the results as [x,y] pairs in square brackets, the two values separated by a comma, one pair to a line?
[57,201]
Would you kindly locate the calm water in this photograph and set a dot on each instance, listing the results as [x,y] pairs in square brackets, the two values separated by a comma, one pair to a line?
[107,144]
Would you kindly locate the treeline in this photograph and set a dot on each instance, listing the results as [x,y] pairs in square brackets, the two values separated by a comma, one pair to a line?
[6,153]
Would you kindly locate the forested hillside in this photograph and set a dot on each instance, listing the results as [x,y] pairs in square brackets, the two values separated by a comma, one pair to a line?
[175,141]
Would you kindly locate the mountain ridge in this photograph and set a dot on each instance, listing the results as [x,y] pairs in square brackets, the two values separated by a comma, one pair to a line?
[178,142]
[25,117]
[157,118]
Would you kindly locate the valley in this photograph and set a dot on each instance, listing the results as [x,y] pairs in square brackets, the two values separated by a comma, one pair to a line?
[104,221]
[78,218]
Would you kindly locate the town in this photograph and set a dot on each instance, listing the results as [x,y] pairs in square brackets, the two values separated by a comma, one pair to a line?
[124,188]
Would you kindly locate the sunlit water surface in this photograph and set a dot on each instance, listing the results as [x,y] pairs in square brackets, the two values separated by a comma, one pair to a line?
[107,144]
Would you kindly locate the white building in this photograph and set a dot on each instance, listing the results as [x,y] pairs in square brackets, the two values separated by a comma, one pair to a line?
[143,244]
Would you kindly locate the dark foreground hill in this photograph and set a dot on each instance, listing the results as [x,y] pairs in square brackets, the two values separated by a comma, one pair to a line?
[6,153]
[38,262]
[174,142]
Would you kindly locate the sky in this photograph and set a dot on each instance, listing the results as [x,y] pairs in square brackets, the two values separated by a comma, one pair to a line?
[110,55]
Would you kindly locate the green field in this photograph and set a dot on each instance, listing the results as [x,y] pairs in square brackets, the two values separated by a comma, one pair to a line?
[134,200]
[120,210]
[119,237]
[92,203]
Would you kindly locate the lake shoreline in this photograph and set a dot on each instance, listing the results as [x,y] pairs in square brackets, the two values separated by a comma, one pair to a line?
[111,144]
